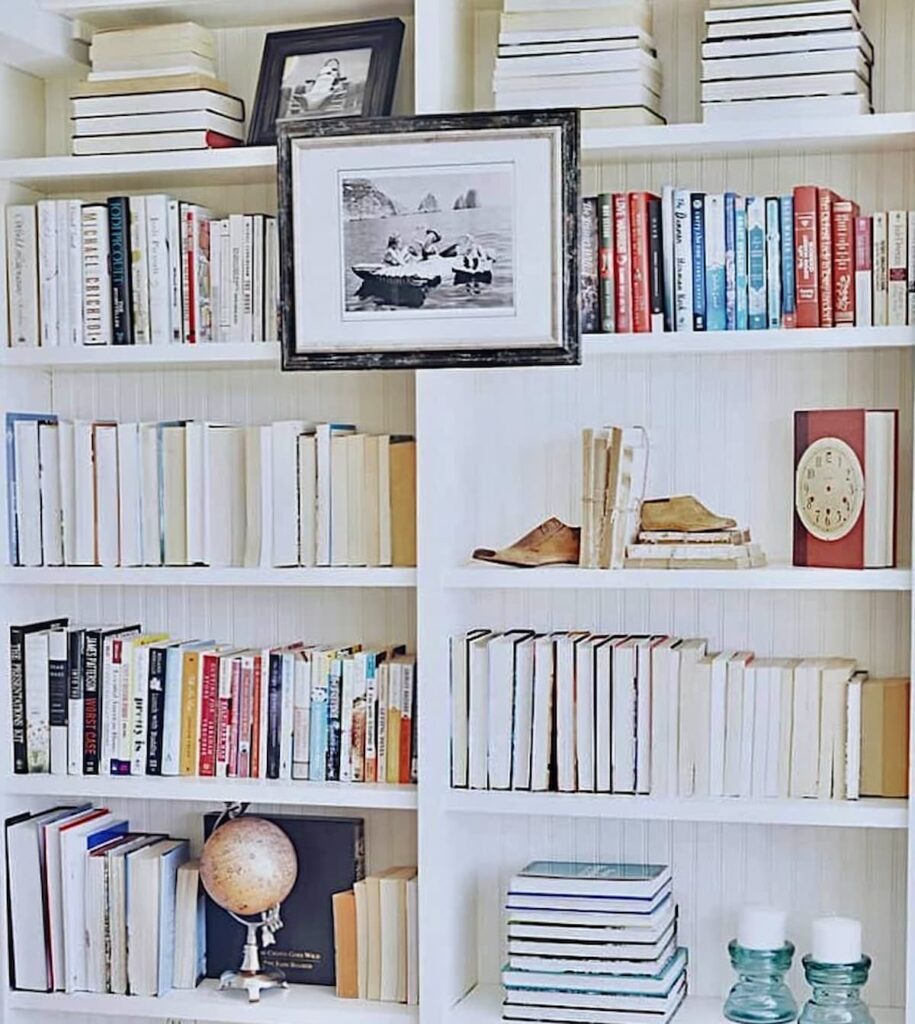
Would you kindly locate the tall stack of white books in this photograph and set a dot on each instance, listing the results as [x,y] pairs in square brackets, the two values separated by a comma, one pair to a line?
[598,55]
[592,942]
[784,58]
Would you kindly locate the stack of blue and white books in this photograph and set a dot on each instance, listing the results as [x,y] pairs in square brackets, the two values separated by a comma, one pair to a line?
[593,944]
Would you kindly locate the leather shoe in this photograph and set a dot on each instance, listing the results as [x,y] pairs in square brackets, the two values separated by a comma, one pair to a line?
[682,513]
[550,543]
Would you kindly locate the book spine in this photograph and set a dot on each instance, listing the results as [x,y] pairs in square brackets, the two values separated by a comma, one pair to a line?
[246,685]
[843,263]
[75,669]
[639,261]
[236,261]
[17,701]
[730,261]
[274,709]
[825,200]
[715,258]
[258,713]
[222,310]
[202,295]
[247,280]
[23,276]
[806,262]
[155,710]
[47,269]
[697,235]
[209,693]
[119,247]
[97,302]
[742,265]
[897,268]
[590,284]
[683,262]
[371,721]
[235,712]
[864,277]
[622,279]
[317,745]
[756,263]
[137,699]
[789,291]
[656,268]
[667,247]
[188,270]
[160,305]
[75,271]
[92,700]
[139,270]
[58,702]
[911,271]
[407,696]
[880,265]
[224,716]
[773,265]
[173,241]
[62,216]
[334,720]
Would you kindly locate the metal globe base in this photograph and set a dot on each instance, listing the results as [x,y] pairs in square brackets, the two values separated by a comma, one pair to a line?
[249,977]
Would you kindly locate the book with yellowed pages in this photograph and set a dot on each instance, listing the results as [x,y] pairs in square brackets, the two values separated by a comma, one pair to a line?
[384,909]
[140,86]
[345,945]
[885,737]
[402,456]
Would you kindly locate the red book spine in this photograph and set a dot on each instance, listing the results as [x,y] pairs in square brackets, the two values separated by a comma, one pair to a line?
[843,261]
[639,261]
[223,700]
[216,140]
[806,256]
[406,724]
[256,712]
[209,694]
[189,287]
[234,711]
[622,283]
[825,201]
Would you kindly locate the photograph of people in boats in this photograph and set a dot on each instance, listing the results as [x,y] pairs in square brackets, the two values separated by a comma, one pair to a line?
[330,84]
[433,239]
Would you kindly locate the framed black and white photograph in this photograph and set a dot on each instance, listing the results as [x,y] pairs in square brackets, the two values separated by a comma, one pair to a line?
[440,240]
[328,72]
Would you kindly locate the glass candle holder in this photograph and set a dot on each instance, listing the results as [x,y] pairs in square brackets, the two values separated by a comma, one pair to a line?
[836,995]
[760,995]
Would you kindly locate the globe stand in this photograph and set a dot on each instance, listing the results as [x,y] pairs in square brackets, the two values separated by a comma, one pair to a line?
[249,977]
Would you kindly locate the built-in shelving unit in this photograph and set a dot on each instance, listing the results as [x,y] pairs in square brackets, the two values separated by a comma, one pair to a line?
[203,576]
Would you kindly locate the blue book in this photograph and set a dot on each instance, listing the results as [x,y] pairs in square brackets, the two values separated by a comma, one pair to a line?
[317,740]
[662,982]
[697,223]
[334,718]
[773,265]
[756,262]
[12,486]
[169,861]
[581,878]
[789,289]
[106,833]
[740,263]
[730,261]
[715,259]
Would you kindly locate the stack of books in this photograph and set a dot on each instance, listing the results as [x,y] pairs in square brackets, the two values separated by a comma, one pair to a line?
[709,549]
[376,939]
[696,261]
[784,59]
[598,55]
[154,88]
[97,907]
[116,700]
[581,711]
[590,942]
[186,492]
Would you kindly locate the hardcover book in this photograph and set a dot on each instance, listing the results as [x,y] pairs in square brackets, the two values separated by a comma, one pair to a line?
[697,232]
[590,270]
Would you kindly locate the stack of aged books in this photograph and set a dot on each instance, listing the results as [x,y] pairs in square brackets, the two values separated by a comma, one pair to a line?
[599,56]
[708,549]
[154,88]
[785,58]
[587,941]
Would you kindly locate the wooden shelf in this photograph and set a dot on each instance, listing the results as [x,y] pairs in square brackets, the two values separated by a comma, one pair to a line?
[194,790]
[299,1004]
[201,576]
[870,813]
[144,357]
[491,577]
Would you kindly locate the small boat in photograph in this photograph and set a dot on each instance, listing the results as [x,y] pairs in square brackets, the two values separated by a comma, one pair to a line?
[397,286]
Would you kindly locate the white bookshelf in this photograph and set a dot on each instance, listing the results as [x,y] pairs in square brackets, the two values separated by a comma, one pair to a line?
[498,453]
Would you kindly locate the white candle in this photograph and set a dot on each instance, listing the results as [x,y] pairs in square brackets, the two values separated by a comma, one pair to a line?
[836,940]
[761,928]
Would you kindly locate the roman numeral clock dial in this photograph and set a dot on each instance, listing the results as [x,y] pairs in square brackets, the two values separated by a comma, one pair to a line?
[829,489]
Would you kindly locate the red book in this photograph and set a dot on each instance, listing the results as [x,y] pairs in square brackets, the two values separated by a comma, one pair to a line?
[408,681]
[223,704]
[837,524]
[639,258]
[844,213]
[234,709]
[209,695]
[256,711]
[864,279]
[826,199]
[622,283]
[806,262]
[216,140]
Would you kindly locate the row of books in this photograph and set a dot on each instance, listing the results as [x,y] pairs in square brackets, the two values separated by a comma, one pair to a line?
[602,60]
[97,907]
[115,700]
[139,270]
[152,88]
[785,58]
[691,261]
[593,942]
[185,492]
[376,938]
[584,712]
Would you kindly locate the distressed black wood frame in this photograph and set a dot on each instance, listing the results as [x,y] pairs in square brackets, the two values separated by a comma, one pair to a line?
[564,257]
[384,36]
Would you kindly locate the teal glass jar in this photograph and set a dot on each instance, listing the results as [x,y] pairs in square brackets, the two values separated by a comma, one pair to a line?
[836,995]
[760,995]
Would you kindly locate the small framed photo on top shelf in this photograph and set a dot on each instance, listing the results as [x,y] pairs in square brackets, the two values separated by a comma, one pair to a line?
[327,72]
[439,240]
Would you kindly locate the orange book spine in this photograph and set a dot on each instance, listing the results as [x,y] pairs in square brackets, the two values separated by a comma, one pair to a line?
[190,683]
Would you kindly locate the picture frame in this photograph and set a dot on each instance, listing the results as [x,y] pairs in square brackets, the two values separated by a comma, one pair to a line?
[430,241]
[326,72]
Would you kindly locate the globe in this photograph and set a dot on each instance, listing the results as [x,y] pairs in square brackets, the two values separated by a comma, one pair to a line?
[248,865]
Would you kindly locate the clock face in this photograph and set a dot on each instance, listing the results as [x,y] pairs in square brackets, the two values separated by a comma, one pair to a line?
[829,489]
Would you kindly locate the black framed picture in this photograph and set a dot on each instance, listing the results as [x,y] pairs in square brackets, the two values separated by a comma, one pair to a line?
[438,240]
[328,72]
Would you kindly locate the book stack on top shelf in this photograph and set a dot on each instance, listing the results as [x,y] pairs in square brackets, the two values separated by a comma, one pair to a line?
[154,88]
[585,940]
[785,58]
[596,56]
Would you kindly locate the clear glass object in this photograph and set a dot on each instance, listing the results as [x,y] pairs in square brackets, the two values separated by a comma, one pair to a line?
[760,995]
[836,995]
